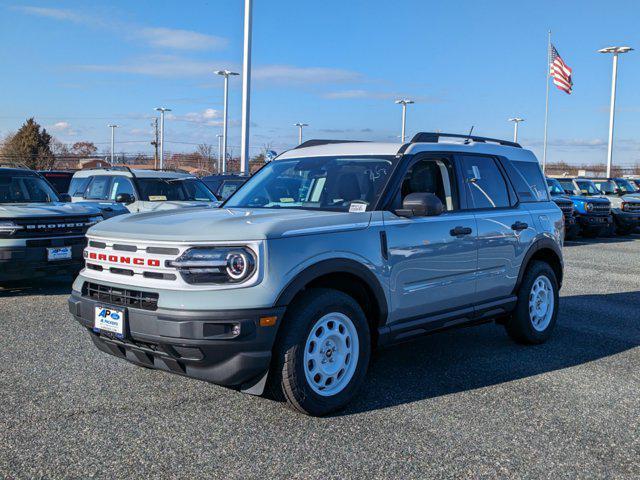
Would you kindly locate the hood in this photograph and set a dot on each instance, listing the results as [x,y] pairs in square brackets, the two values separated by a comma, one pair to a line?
[584,198]
[53,209]
[171,205]
[227,224]
[106,209]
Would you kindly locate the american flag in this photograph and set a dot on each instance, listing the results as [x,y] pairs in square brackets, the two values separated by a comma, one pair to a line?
[560,72]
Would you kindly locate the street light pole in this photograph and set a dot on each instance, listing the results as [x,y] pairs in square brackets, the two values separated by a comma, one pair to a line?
[246,88]
[162,110]
[225,74]
[219,152]
[113,128]
[404,103]
[300,127]
[614,76]
[516,121]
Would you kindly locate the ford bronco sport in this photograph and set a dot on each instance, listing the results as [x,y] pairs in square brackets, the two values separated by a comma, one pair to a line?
[140,190]
[592,211]
[330,250]
[571,226]
[39,234]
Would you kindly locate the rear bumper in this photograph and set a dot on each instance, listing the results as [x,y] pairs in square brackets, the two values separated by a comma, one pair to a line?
[22,261]
[197,344]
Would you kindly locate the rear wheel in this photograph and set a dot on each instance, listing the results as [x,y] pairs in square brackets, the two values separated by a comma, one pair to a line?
[322,353]
[536,311]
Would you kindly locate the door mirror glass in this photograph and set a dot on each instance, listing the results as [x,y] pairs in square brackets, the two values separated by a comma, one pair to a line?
[420,205]
[125,198]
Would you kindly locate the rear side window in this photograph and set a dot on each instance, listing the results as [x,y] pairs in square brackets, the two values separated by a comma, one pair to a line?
[78,186]
[485,186]
[532,174]
[99,188]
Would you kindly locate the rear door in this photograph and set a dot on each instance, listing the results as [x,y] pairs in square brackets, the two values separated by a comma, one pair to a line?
[431,260]
[505,227]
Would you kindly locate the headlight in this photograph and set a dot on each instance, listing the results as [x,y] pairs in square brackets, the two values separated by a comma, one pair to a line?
[8,227]
[215,264]
[95,219]
[588,207]
[624,206]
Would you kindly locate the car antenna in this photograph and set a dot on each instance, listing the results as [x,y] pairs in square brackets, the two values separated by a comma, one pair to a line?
[468,139]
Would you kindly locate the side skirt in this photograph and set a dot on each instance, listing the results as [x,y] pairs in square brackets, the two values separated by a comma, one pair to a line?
[464,317]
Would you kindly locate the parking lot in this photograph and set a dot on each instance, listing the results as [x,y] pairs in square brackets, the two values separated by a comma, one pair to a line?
[467,403]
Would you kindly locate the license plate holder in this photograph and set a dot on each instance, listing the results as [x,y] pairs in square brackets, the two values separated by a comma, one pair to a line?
[110,321]
[58,253]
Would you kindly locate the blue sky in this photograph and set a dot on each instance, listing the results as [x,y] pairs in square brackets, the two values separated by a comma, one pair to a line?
[337,65]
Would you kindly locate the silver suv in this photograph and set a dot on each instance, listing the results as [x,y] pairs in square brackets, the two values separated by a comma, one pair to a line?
[140,190]
[329,251]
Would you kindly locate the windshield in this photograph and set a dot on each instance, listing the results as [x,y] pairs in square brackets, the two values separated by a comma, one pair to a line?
[319,183]
[587,187]
[174,189]
[25,189]
[554,187]
[607,186]
[626,186]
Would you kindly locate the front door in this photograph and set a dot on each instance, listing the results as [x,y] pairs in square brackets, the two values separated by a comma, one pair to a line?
[431,260]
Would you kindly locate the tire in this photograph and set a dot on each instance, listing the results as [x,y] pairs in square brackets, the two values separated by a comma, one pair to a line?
[531,323]
[623,231]
[322,352]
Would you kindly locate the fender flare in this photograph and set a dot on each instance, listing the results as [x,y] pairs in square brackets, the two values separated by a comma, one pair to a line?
[540,244]
[336,265]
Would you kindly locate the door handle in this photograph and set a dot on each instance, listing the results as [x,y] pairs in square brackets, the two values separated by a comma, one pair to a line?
[519,226]
[457,231]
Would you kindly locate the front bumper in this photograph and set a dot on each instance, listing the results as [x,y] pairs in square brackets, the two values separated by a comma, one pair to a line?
[587,221]
[19,262]
[571,227]
[197,344]
[626,219]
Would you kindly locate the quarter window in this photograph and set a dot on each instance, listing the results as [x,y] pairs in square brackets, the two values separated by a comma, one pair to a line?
[484,183]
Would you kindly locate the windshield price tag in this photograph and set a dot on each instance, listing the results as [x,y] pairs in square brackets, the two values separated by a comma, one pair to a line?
[358,207]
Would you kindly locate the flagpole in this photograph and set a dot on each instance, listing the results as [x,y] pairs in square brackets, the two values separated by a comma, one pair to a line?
[546,108]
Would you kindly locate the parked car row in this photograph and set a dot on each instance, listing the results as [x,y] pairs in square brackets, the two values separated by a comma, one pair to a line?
[597,207]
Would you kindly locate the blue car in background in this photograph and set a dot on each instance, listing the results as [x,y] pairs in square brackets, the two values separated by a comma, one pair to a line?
[592,213]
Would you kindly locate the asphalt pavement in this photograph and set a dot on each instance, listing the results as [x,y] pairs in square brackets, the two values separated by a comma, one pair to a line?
[462,404]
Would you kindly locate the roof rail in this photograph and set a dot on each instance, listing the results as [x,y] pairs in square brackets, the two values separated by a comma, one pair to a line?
[315,143]
[434,137]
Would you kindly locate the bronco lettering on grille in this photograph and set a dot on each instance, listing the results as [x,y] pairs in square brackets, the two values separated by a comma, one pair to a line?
[149,262]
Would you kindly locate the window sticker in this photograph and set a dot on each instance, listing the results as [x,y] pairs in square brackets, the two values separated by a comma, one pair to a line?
[358,207]
[157,198]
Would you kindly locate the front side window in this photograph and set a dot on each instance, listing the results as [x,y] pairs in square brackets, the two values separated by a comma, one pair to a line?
[485,185]
[554,187]
[587,187]
[432,175]
[25,189]
[174,189]
[98,188]
[318,183]
[121,185]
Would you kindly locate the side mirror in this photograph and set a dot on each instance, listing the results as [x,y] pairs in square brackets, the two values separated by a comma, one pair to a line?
[420,205]
[125,198]
[65,197]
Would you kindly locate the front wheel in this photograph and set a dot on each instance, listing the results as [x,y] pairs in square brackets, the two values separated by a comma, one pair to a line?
[322,354]
[536,312]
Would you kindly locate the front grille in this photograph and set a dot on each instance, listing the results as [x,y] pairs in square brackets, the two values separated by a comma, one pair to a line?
[120,296]
[51,227]
[632,207]
[601,209]
[566,207]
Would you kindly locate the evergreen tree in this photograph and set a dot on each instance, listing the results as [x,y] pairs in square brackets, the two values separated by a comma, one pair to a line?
[30,145]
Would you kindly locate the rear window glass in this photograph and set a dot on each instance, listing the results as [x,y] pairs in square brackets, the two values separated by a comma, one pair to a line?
[532,174]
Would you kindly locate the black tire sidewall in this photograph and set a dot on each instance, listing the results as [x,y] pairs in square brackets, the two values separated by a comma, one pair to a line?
[303,317]
[520,326]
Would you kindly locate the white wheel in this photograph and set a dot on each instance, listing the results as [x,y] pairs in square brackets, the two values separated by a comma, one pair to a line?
[331,354]
[541,303]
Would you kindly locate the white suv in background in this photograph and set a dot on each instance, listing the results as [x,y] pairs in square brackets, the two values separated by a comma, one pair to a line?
[140,190]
